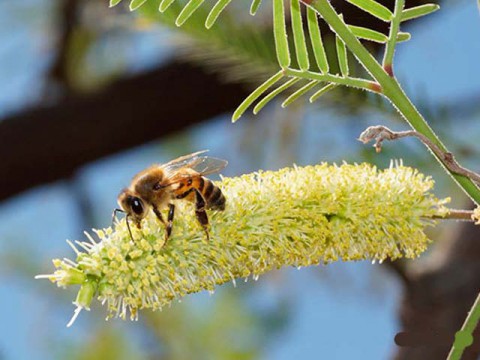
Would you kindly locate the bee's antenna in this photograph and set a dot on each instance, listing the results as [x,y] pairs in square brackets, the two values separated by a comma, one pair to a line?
[114,217]
[128,227]
[114,214]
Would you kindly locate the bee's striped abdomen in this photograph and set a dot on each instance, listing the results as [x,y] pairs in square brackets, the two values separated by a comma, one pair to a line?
[212,194]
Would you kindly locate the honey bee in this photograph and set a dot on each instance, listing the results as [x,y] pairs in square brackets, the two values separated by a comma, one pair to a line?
[159,186]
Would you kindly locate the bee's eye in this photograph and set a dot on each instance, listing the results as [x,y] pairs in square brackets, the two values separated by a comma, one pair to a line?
[137,206]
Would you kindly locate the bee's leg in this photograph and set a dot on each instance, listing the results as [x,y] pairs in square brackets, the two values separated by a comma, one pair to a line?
[171,213]
[162,220]
[128,227]
[159,215]
[200,212]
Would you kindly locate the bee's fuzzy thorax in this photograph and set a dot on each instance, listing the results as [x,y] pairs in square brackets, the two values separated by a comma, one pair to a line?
[297,216]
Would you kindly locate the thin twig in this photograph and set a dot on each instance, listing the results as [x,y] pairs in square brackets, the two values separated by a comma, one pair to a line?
[380,133]
[454,214]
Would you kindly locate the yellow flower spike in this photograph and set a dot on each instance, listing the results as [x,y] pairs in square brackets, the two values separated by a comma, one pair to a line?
[290,217]
[120,283]
[100,234]
[111,253]
[57,262]
[135,253]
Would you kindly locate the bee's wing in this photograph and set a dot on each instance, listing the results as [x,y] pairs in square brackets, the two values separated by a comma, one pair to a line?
[202,164]
[206,165]
[183,161]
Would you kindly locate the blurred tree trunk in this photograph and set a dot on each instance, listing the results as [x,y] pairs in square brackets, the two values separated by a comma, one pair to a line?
[438,294]
[50,143]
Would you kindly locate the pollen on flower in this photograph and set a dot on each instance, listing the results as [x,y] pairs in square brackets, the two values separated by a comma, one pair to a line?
[297,216]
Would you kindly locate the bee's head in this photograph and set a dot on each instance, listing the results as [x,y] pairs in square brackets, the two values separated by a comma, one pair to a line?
[133,205]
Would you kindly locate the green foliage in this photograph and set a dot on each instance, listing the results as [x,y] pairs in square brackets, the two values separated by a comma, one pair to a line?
[299,36]
[418,11]
[255,6]
[368,34]
[312,77]
[164,5]
[307,87]
[238,51]
[107,343]
[114,2]
[256,94]
[186,333]
[322,91]
[215,13]
[134,4]
[228,35]
[316,39]
[189,8]
[373,8]
[274,93]
[342,56]
[280,31]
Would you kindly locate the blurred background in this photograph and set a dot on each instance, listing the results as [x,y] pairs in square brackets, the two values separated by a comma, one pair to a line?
[91,95]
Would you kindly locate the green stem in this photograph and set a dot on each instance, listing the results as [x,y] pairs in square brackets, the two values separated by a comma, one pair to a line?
[392,38]
[464,337]
[390,87]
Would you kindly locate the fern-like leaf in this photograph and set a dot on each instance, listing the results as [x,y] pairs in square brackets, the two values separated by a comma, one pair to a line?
[239,52]
[300,92]
[403,36]
[165,4]
[114,2]
[189,9]
[373,8]
[368,34]
[316,40]
[322,91]
[280,32]
[135,4]
[302,57]
[342,57]
[256,94]
[215,13]
[254,7]
[418,11]
[299,36]
[274,93]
